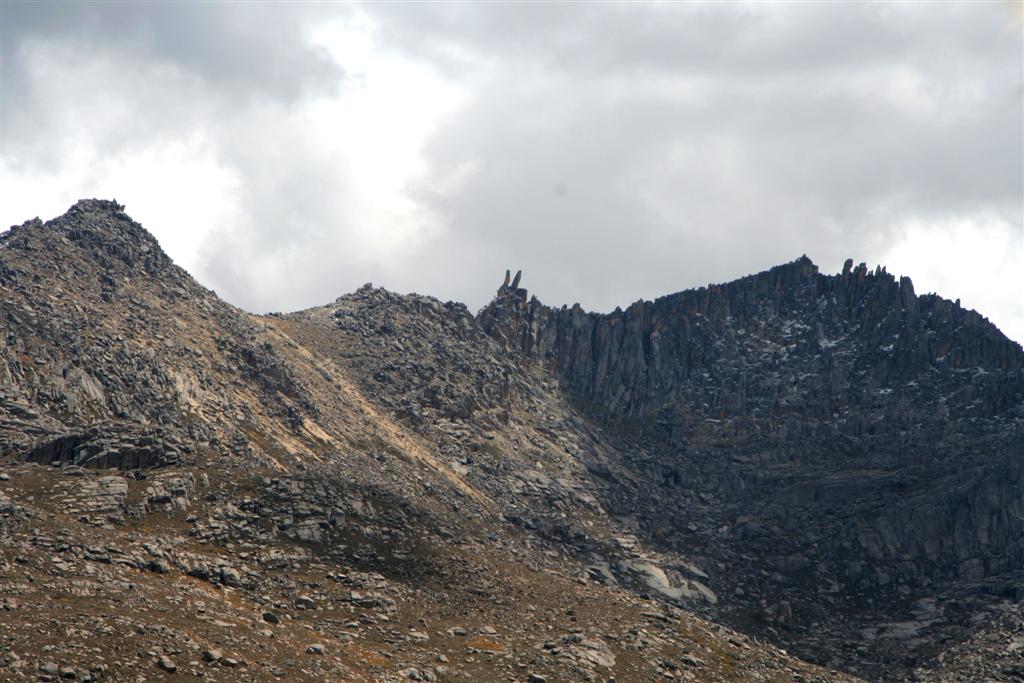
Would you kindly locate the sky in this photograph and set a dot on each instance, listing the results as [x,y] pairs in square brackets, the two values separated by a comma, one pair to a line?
[287,153]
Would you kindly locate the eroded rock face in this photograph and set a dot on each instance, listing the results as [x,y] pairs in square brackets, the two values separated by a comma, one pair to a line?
[98,326]
[102,447]
[794,350]
[860,441]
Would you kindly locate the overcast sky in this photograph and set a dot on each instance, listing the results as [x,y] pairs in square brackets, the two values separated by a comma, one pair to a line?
[287,153]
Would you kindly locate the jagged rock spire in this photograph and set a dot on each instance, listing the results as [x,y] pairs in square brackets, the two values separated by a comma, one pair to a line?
[510,283]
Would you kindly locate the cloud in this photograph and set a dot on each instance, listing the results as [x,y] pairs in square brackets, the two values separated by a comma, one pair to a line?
[694,143]
[284,172]
[976,261]
[611,151]
[251,50]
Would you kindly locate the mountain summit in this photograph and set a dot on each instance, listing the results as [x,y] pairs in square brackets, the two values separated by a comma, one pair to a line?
[792,476]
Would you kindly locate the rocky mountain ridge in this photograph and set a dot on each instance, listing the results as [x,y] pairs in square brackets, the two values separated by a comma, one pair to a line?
[392,487]
[863,440]
[825,349]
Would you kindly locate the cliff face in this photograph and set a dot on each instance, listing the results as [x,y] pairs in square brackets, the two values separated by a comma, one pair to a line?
[841,427]
[788,349]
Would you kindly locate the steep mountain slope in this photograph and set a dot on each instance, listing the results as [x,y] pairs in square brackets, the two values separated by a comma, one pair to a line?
[858,446]
[392,487]
[190,489]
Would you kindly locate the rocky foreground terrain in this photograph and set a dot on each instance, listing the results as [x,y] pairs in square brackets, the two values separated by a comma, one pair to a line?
[790,477]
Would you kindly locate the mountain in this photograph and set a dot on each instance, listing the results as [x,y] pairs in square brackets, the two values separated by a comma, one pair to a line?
[793,476]
[856,448]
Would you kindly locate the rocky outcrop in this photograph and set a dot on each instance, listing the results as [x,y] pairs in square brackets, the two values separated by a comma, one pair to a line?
[846,431]
[117,446]
[98,326]
[789,348]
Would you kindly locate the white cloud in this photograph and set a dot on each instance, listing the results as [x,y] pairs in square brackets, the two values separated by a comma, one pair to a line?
[177,192]
[285,154]
[975,259]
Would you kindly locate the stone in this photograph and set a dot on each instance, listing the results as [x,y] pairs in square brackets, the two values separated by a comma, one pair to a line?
[690,660]
[594,651]
[229,576]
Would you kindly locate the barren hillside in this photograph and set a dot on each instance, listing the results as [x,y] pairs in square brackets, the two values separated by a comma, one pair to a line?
[791,477]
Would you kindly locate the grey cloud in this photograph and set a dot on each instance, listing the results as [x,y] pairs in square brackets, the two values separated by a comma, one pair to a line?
[710,39]
[289,242]
[248,48]
[700,143]
[179,65]
[615,150]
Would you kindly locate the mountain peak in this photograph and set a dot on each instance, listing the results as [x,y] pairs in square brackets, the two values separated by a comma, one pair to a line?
[102,229]
[801,267]
[102,206]
[94,249]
